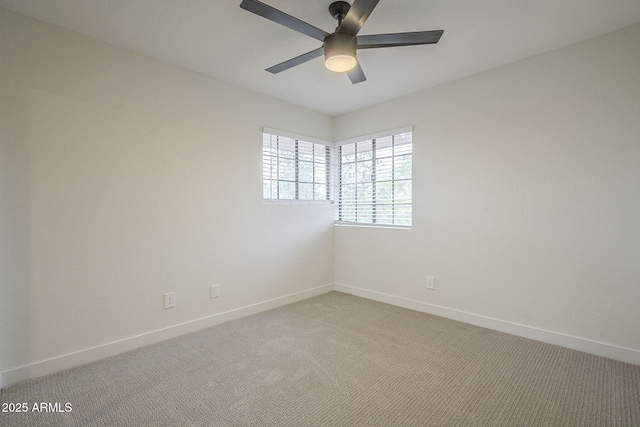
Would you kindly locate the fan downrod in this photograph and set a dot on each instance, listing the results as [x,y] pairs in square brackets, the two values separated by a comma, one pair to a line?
[339,9]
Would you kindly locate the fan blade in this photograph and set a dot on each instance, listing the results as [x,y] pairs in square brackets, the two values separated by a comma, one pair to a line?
[356,75]
[282,18]
[357,15]
[296,61]
[399,39]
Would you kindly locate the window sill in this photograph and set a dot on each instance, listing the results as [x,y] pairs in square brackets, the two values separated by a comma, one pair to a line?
[365,225]
[296,202]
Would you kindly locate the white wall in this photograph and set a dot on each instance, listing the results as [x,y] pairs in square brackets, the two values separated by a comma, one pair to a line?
[526,196]
[123,178]
[13,205]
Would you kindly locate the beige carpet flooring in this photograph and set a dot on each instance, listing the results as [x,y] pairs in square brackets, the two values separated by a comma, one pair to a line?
[339,360]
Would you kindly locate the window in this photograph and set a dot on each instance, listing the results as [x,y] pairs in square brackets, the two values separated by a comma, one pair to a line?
[375,180]
[293,169]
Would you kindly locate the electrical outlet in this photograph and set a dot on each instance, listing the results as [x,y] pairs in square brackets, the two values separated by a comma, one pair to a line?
[431,282]
[214,291]
[169,300]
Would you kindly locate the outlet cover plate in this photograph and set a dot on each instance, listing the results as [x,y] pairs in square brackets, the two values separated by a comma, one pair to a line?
[431,282]
[169,300]
[214,291]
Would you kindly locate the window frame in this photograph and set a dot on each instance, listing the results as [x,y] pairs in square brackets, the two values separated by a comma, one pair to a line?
[375,203]
[296,156]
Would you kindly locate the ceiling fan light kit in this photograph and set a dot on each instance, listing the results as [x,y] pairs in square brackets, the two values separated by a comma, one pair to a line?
[340,52]
[340,47]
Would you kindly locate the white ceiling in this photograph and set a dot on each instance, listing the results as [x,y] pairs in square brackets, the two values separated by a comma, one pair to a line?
[218,39]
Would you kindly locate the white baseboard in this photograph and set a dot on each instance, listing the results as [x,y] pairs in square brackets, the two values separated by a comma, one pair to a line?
[60,363]
[576,343]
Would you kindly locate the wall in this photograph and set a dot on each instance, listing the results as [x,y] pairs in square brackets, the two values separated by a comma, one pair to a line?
[123,178]
[526,200]
[13,205]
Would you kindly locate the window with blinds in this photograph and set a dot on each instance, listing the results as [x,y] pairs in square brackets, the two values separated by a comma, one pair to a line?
[375,180]
[293,169]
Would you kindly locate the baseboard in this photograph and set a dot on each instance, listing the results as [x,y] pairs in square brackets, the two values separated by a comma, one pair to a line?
[71,360]
[576,343]
[60,363]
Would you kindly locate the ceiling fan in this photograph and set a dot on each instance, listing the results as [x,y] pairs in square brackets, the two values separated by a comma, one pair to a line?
[339,47]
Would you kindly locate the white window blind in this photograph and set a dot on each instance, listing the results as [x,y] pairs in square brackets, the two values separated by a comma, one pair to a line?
[293,169]
[375,180]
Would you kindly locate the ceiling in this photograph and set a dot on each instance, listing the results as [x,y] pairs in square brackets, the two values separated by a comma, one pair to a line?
[218,39]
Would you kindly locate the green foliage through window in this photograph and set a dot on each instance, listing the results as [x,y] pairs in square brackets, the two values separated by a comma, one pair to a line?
[294,170]
[375,181]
